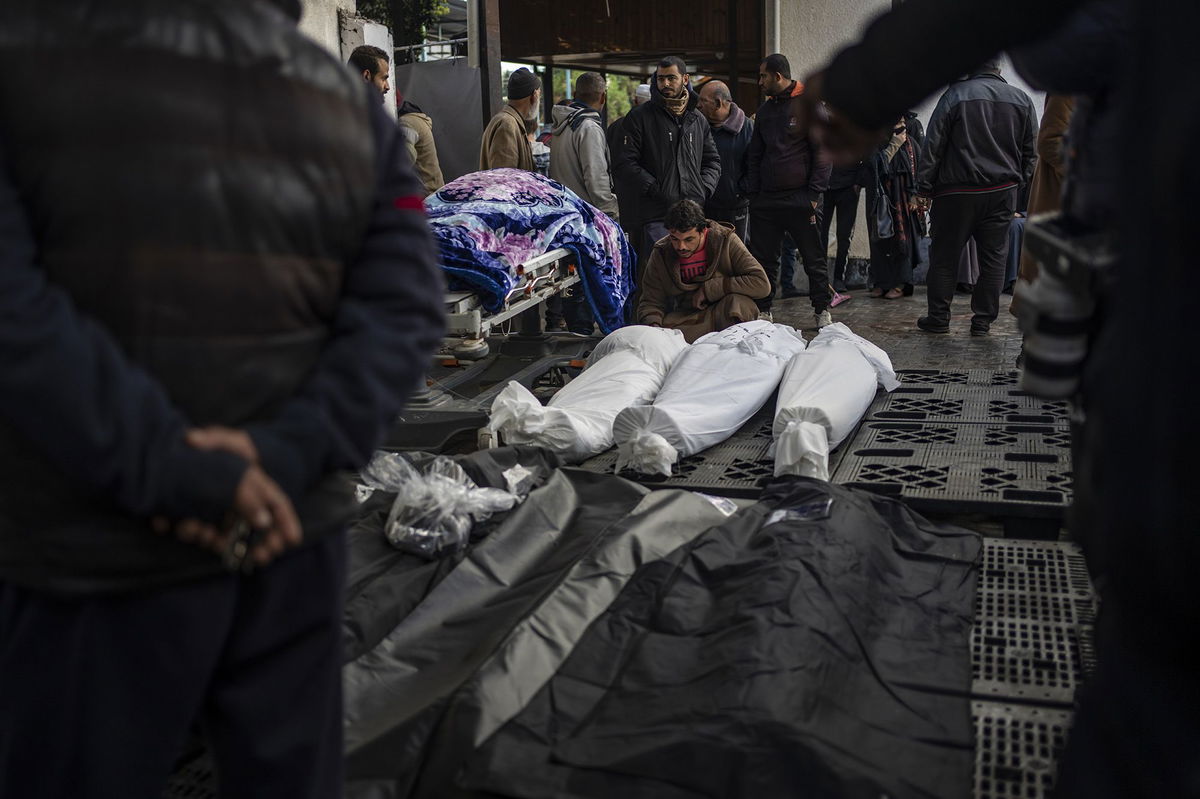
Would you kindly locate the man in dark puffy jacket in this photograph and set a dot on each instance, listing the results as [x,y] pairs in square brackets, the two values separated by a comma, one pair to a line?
[731,130]
[978,151]
[787,172]
[217,288]
[669,153]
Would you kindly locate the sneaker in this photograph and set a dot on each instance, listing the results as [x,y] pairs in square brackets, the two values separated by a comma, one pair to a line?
[979,330]
[765,316]
[930,326]
[823,318]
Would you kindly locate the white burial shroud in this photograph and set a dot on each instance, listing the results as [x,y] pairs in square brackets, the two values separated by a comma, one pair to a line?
[626,368]
[825,391]
[714,387]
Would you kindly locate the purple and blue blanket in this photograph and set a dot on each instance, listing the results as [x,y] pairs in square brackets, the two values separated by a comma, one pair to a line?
[487,223]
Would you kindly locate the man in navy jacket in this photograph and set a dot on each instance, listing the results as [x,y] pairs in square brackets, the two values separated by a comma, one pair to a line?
[786,175]
[732,131]
[217,287]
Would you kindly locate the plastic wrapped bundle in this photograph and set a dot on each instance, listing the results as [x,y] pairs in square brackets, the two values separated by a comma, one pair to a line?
[714,387]
[825,391]
[626,368]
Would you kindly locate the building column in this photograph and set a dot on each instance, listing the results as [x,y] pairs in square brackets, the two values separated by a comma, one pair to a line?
[483,51]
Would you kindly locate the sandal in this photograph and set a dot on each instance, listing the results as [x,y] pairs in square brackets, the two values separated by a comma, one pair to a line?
[894,294]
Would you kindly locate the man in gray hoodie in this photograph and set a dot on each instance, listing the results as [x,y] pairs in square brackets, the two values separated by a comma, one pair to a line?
[579,150]
[579,160]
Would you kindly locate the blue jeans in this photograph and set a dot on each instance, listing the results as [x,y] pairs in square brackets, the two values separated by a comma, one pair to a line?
[787,263]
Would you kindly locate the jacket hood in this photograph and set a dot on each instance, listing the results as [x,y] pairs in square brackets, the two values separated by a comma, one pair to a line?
[408,107]
[717,244]
[572,115]
[734,122]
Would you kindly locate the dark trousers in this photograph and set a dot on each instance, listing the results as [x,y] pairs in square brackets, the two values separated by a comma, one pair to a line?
[97,693]
[843,202]
[570,309]
[738,217]
[767,226]
[956,218]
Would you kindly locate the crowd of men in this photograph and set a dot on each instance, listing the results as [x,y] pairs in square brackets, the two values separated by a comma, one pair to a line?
[768,179]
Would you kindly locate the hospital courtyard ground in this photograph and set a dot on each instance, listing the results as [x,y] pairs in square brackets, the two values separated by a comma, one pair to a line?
[892,324]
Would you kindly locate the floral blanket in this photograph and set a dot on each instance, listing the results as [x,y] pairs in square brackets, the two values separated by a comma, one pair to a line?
[487,223]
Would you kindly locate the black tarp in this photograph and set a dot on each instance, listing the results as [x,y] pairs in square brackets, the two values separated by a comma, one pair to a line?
[602,641]
[800,658]
[384,584]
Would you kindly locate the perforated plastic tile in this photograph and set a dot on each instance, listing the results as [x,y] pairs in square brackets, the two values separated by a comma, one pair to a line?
[971,478]
[196,780]
[971,377]
[1028,567]
[983,437]
[734,468]
[966,402]
[1017,749]
[1030,661]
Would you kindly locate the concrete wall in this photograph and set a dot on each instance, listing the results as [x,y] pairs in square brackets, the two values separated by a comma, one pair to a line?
[810,32]
[320,21]
[355,32]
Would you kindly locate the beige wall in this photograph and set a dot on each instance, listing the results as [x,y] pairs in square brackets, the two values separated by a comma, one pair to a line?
[320,21]
[810,33]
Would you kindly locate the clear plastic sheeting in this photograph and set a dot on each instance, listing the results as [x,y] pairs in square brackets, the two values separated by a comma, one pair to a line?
[626,368]
[437,505]
[718,383]
[824,393]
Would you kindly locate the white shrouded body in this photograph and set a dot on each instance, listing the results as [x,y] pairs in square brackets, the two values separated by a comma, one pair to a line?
[824,392]
[626,368]
[714,387]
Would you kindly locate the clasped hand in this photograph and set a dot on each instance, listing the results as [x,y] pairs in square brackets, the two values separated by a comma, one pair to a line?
[262,523]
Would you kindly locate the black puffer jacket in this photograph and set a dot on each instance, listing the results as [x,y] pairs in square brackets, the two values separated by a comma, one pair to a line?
[197,242]
[667,158]
[982,136]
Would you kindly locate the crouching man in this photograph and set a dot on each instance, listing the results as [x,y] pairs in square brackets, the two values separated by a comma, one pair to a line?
[700,278]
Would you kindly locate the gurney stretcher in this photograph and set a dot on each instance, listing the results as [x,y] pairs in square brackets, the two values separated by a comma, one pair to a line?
[468,323]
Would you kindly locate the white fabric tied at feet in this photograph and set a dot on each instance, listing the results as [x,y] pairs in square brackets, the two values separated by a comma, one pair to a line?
[824,392]
[714,387]
[626,368]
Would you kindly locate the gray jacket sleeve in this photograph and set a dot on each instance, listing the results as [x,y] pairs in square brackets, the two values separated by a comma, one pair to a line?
[594,164]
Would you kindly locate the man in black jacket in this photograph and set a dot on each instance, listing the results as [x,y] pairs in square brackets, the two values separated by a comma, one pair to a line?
[731,130]
[787,172]
[979,150]
[205,318]
[669,153]
[627,195]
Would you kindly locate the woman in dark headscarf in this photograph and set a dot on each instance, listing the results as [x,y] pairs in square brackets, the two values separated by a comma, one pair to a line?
[894,251]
